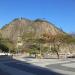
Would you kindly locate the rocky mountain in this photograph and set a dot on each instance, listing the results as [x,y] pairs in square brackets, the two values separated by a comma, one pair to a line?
[22,26]
[21,31]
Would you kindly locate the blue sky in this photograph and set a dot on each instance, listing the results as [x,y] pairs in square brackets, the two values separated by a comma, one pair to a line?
[59,12]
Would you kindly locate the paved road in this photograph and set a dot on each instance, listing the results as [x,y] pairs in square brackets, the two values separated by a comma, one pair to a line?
[15,67]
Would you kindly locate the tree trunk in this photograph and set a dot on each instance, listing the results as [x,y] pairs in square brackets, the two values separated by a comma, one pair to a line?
[57,54]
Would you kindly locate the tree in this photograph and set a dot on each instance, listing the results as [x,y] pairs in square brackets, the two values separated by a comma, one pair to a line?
[70,42]
[4,48]
[55,41]
[34,49]
[6,45]
[42,48]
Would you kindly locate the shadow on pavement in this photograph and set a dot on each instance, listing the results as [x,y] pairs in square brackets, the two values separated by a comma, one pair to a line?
[24,66]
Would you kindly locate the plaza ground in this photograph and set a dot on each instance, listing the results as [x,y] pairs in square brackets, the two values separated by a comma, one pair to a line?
[63,66]
[32,66]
